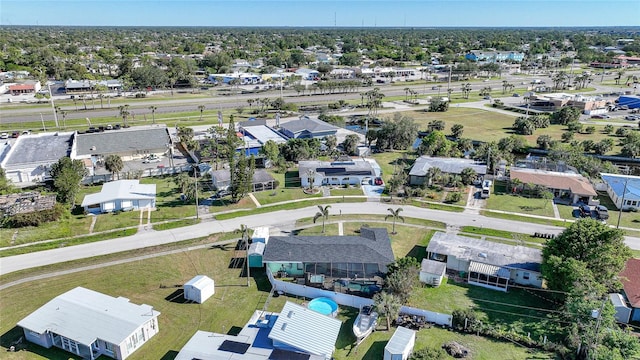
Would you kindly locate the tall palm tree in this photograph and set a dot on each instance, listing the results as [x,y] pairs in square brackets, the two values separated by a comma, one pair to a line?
[388,305]
[124,112]
[201,109]
[244,234]
[433,174]
[153,113]
[322,213]
[395,214]
[113,163]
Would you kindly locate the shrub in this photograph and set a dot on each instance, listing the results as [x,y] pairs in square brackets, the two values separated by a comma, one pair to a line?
[36,218]
[453,197]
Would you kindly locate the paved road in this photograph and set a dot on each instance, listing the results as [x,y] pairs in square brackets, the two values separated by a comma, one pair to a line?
[140,108]
[274,219]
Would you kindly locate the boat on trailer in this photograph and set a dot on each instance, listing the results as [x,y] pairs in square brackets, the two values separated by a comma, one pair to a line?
[365,323]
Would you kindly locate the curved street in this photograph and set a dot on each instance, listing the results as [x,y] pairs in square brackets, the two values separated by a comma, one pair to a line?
[274,219]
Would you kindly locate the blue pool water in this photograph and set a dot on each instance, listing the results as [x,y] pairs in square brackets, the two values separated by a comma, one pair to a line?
[324,306]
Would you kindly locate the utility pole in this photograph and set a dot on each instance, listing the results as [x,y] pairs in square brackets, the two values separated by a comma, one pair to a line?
[449,84]
[195,172]
[624,191]
[53,106]
[44,128]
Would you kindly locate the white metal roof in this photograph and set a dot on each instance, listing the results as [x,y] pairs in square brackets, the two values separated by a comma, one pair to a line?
[121,189]
[200,282]
[256,248]
[85,315]
[306,330]
[400,340]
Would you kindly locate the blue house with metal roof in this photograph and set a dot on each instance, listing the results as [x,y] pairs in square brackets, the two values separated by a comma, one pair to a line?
[624,190]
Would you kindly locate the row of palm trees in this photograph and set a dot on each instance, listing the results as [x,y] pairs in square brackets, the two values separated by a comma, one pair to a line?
[323,213]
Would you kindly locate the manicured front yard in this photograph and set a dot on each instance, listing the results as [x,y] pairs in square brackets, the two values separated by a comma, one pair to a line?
[519,204]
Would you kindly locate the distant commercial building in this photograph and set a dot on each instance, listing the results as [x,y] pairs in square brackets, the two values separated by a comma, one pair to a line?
[28,87]
[494,56]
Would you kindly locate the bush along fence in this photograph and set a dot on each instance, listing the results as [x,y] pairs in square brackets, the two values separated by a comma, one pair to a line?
[466,321]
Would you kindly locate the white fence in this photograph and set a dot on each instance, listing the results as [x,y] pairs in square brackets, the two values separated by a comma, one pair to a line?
[351,300]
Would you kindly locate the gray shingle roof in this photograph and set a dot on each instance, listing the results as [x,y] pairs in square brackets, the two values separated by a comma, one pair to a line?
[260,176]
[372,246]
[447,165]
[121,141]
[432,267]
[487,252]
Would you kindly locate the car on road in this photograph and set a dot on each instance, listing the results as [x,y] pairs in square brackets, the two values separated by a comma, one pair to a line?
[151,159]
[601,116]
[4,135]
[434,88]
[632,117]
[516,95]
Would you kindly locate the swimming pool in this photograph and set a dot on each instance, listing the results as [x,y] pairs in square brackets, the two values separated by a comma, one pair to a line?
[324,306]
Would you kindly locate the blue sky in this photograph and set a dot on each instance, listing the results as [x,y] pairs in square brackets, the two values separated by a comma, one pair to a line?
[416,13]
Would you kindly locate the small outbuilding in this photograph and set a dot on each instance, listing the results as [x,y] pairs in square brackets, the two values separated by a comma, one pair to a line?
[255,254]
[400,346]
[623,312]
[432,272]
[261,234]
[199,289]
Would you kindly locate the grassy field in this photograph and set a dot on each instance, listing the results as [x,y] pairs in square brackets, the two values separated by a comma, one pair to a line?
[520,204]
[516,237]
[288,206]
[377,218]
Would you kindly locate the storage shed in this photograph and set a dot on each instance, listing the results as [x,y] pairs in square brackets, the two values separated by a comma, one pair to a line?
[432,272]
[400,346]
[199,289]
[623,312]
[255,254]
[261,234]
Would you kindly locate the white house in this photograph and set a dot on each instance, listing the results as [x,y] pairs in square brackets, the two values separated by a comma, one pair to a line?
[199,289]
[352,172]
[432,272]
[485,263]
[90,324]
[400,346]
[623,187]
[121,195]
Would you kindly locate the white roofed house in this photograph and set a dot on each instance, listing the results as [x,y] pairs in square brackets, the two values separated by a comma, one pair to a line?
[420,168]
[90,324]
[121,195]
[352,172]
[488,264]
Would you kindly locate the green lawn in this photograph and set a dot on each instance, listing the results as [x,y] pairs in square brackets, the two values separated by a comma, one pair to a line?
[377,218]
[349,191]
[516,237]
[69,225]
[523,218]
[519,204]
[481,348]
[287,206]
[513,310]
[404,243]
[282,194]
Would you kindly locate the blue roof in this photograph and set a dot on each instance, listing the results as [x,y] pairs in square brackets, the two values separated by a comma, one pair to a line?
[617,184]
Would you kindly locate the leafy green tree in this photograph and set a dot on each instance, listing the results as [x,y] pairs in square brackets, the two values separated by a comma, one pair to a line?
[350,144]
[113,163]
[608,129]
[599,248]
[438,125]
[323,213]
[565,115]
[468,175]
[387,305]
[5,184]
[544,142]
[270,150]
[524,126]
[457,130]
[395,215]
[67,174]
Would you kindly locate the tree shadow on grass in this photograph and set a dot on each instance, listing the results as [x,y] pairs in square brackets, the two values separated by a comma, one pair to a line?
[169,355]
[418,252]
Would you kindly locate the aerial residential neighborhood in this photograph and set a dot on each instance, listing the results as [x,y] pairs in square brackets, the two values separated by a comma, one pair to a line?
[295,182]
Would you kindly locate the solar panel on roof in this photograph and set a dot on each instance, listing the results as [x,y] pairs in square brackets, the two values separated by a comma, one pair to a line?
[234,347]
[279,354]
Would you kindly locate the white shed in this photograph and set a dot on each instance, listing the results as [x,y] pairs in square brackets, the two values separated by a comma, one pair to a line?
[261,234]
[400,346]
[623,312]
[432,272]
[199,289]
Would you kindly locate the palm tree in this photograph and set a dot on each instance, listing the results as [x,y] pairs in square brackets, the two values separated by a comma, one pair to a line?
[311,176]
[406,93]
[113,163]
[388,305]
[201,108]
[433,174]
[153,113]
[124,112]
[322,213]
[395,214]
[244,233]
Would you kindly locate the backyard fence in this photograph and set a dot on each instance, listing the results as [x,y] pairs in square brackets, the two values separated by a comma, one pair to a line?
[351,300]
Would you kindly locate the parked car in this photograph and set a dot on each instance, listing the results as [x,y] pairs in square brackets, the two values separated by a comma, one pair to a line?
[15,134]
[4,135]
[516,95]
[601,116]
[585,210]
[221,194]
[377,181]
[602,212]
[632,117]
[151,159]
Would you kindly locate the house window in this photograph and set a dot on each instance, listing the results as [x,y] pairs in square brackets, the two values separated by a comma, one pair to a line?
[525,276]
[108,347]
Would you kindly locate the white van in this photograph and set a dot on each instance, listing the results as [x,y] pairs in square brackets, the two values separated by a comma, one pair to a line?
[486,189]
